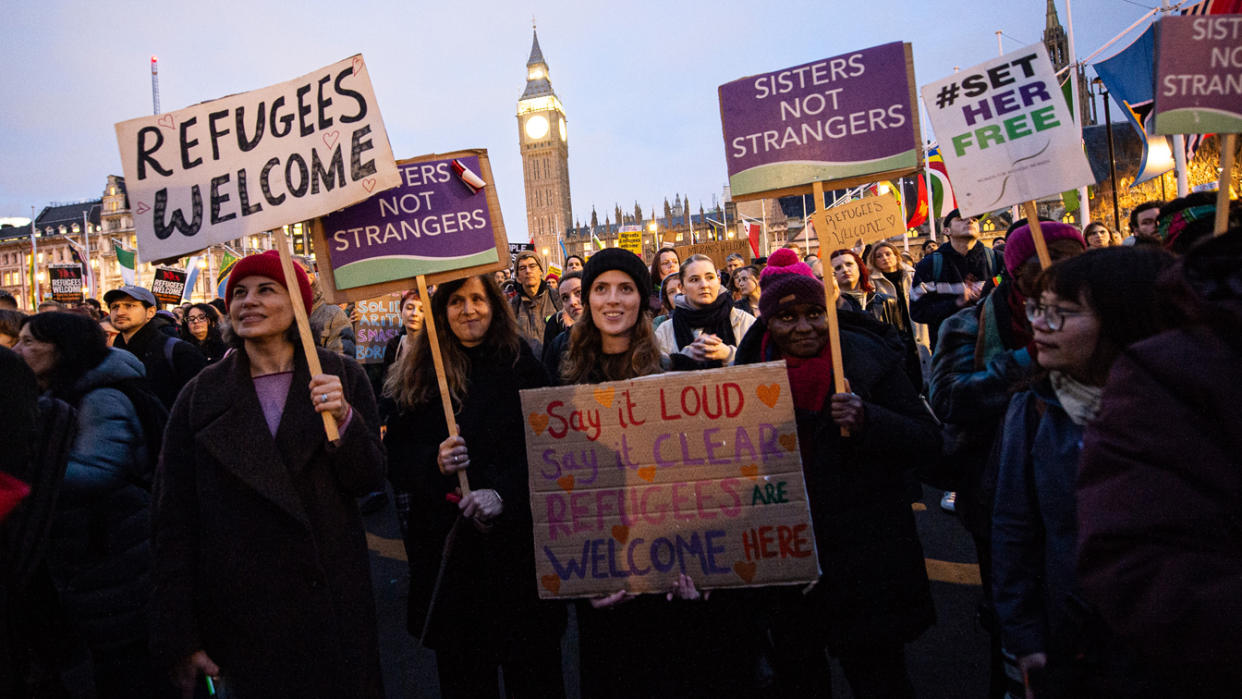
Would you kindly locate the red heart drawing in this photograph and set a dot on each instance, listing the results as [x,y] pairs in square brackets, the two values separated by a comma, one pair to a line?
[751,471]
[566,483]
[331,137]
[167,121]
[141,208]
[368,184]
[620,532]
[357,64]
[647,473]
[551,583]
[745,570]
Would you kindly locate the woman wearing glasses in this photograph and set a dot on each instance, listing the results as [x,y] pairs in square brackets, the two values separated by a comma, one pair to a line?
[1086,311]
[202,329]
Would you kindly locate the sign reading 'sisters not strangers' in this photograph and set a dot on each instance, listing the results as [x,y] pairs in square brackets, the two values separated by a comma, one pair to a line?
[635,482]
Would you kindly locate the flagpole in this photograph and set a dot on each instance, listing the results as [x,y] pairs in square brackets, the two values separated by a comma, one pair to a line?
[931,195]
[1084,207]
[90,276]
[34,259]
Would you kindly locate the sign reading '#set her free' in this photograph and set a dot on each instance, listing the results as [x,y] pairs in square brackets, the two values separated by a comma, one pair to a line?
[442,221]
[635,482]
[835,119]
[255,161]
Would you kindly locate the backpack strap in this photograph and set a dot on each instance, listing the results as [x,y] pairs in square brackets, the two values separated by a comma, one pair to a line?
[169,343]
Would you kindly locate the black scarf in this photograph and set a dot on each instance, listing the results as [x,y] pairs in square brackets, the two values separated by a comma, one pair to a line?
[714,319]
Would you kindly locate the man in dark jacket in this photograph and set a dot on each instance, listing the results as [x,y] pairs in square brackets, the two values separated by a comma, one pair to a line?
[534,302]
[952,277]
[170,362]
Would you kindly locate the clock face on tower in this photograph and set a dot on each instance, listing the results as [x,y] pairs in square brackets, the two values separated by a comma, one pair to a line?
[563,135]
[537,127]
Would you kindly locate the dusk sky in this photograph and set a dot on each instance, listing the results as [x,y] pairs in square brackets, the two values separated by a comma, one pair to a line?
[638,79]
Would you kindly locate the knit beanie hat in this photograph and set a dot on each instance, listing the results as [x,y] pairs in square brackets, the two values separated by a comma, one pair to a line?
[620,260]
[787,280]
[267,264]
[1020,246]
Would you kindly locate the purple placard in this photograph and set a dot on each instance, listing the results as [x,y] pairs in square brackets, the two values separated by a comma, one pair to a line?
[1199,74]
[432,222]
[840,117]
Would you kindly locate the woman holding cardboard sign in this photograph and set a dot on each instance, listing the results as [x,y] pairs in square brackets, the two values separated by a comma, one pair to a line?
[472,568]
[874,596]
[260,566]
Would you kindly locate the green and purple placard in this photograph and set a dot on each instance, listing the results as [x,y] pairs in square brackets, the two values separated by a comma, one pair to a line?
[1199,74]
[443,221]
[843,119]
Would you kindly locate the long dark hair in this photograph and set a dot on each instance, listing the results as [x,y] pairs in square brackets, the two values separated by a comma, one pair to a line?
[585,361]
[1118,284]
[80,345]
[213,325]
[412,380]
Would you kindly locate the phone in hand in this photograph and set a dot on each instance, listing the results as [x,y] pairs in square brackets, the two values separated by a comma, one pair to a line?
[211,688]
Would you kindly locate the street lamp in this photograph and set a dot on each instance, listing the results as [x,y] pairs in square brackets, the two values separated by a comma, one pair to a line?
[1112,161]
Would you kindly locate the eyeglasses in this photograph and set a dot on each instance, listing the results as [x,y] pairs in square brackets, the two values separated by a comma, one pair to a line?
[196,319]
[1054,316]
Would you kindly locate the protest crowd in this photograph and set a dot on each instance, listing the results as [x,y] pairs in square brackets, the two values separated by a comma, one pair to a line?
[174,512]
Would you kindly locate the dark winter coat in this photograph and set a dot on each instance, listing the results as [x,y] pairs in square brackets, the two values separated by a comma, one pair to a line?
[99,550]
[939,281]
[261,557]
[533,312]
[1160,486]
[488,601]
[155,348]
[874,588]
[1034,526]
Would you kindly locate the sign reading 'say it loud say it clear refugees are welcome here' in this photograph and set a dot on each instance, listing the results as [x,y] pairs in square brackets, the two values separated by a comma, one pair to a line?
[635,482]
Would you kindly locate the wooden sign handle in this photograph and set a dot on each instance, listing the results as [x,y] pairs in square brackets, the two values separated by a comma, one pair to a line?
[304,328]
[1227,144]
[1037,234]
[830,299]
[429,324]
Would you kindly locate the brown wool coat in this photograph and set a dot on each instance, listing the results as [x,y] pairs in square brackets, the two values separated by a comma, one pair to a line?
[260,552]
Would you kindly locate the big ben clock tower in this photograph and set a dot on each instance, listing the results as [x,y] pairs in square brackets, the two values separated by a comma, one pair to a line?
[545,156]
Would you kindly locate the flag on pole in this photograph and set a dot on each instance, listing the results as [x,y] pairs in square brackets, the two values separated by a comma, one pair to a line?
[918,213]
[128,261]
[599,244]
[942,199]
[191,277]
[226,267]
[753,230]
[78,251]
[1129,77]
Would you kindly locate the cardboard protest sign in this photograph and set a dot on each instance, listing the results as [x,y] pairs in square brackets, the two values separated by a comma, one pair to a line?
[379,320]
[168,285]
[66,282]
[634,482]
[255,161]
[1006,133]
[838,119]
[862,222]
[631,238]
[718,250]
[443,221]
[1199,74]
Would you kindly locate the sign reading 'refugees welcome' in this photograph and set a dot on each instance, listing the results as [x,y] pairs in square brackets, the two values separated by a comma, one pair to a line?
[841,117]
[255,161]
[635,482]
